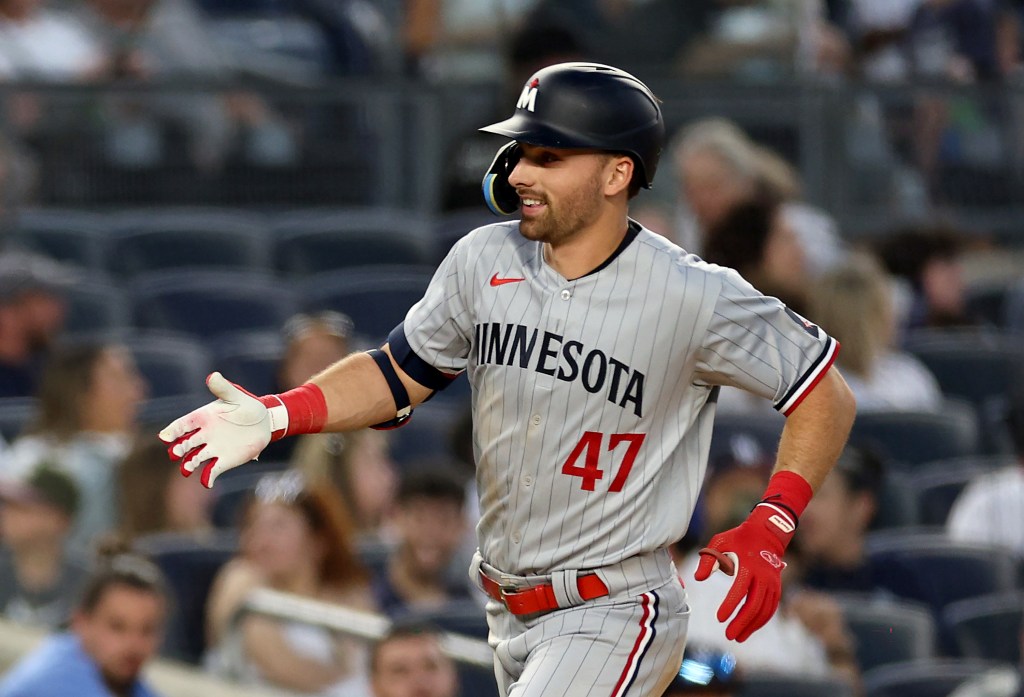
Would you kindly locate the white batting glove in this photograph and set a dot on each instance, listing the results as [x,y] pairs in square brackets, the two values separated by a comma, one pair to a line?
[225,433]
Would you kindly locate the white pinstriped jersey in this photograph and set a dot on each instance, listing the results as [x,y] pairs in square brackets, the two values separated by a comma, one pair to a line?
[593,398]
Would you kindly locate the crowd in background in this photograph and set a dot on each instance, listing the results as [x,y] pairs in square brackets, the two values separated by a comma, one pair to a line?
[366,521]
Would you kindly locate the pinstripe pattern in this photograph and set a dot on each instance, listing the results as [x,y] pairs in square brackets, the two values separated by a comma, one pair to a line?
[635,348]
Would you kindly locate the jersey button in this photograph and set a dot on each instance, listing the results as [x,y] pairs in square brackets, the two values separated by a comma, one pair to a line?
[517,538]
[527,480]
[566,294]
[536,419]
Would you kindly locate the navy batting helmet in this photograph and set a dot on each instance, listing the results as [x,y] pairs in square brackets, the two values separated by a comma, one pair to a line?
[584,105]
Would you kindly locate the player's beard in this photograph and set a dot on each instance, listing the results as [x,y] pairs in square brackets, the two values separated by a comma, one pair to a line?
[563,220]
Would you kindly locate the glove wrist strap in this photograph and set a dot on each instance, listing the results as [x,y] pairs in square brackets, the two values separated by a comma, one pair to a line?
[784,501]
[297,412]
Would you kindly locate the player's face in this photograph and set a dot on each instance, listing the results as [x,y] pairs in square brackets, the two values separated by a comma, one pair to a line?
[413,667]
[561,191]
[122,632]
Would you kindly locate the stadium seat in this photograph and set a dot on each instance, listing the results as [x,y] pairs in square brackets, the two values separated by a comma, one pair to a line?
[190,565]
[936,485]
[160,411]
[465,617]
[376,300]
[171,364]
[97,307]
[909,438]
[309,242]
[932,569]
[232,493]
[1013,310]
[980,367]
[165,239]
[897,502]
[928,678]
[449,227]
[986,300]
[251,359]
[71,236]
[210,304]
[888,630]
[771,685]
[15,414]
[988,626]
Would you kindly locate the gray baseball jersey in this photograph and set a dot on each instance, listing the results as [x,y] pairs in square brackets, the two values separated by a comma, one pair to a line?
[593,398]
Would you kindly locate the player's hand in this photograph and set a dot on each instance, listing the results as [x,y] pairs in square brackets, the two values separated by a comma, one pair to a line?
[221,435]
[752,554]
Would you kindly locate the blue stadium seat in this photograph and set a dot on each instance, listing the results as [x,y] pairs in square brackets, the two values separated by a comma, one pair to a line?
[888,630]
[930,568]
[928,678]
[172,364]
[209,304]
[465,617]
[160,411]
[311,242]
[772,685]
[190,566]
[182,238]
[1013,309]
[67,235]
[897,502]
[980,367]
[427,435]
[908,438]
[375,299]
[251,359]
[988,626]
[97,307]
[232,494]
[15,414]
[936,485]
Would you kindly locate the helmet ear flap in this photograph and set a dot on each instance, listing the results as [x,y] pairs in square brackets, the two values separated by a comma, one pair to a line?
[500,196]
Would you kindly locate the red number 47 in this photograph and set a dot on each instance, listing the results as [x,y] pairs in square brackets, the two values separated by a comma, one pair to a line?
[590,448]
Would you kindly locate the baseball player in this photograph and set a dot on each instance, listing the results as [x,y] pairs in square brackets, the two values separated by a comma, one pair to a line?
[595,349]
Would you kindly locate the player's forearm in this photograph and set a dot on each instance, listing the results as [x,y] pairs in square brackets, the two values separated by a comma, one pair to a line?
[816,432]
[358,395]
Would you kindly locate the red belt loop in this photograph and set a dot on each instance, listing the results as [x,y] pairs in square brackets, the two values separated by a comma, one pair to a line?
[539,598]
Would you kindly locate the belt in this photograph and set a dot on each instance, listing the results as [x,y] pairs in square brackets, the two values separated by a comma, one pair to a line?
[540,598]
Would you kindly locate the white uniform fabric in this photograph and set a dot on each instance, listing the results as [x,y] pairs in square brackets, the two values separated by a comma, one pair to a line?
[593,398]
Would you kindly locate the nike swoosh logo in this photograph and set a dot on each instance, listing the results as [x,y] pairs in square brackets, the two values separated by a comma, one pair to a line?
[495,281]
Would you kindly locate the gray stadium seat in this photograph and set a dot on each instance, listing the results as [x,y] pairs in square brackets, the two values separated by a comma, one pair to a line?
[172,364]
[936,485]
[909,438]
[770,685]
[97,307]
[71,236]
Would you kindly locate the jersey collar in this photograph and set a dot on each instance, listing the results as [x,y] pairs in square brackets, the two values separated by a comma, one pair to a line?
[632,230]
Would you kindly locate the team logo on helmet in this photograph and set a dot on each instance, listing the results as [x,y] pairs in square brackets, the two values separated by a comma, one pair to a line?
[528,97]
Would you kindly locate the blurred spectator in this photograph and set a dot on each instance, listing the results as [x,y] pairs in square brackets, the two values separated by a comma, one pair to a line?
[88,403]
[430,520]
[40,43]
[854,303]
[530,48]
[295,538]
[754,238]
[312,343]
[410,662]
[154,498]
[807,636]
[833,528]
[710,673]
[990,510]
[116,629]
[33,306]
[359,467]
[928,259]
[39,580]
[718,167]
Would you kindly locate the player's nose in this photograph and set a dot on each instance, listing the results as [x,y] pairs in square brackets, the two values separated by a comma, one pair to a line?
[521,175]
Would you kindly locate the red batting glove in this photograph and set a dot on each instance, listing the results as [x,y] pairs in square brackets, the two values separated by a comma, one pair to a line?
[752,554]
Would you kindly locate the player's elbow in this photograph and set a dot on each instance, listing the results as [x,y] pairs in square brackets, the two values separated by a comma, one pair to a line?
[843,401]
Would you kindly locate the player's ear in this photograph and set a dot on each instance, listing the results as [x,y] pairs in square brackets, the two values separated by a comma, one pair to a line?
[619,174]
